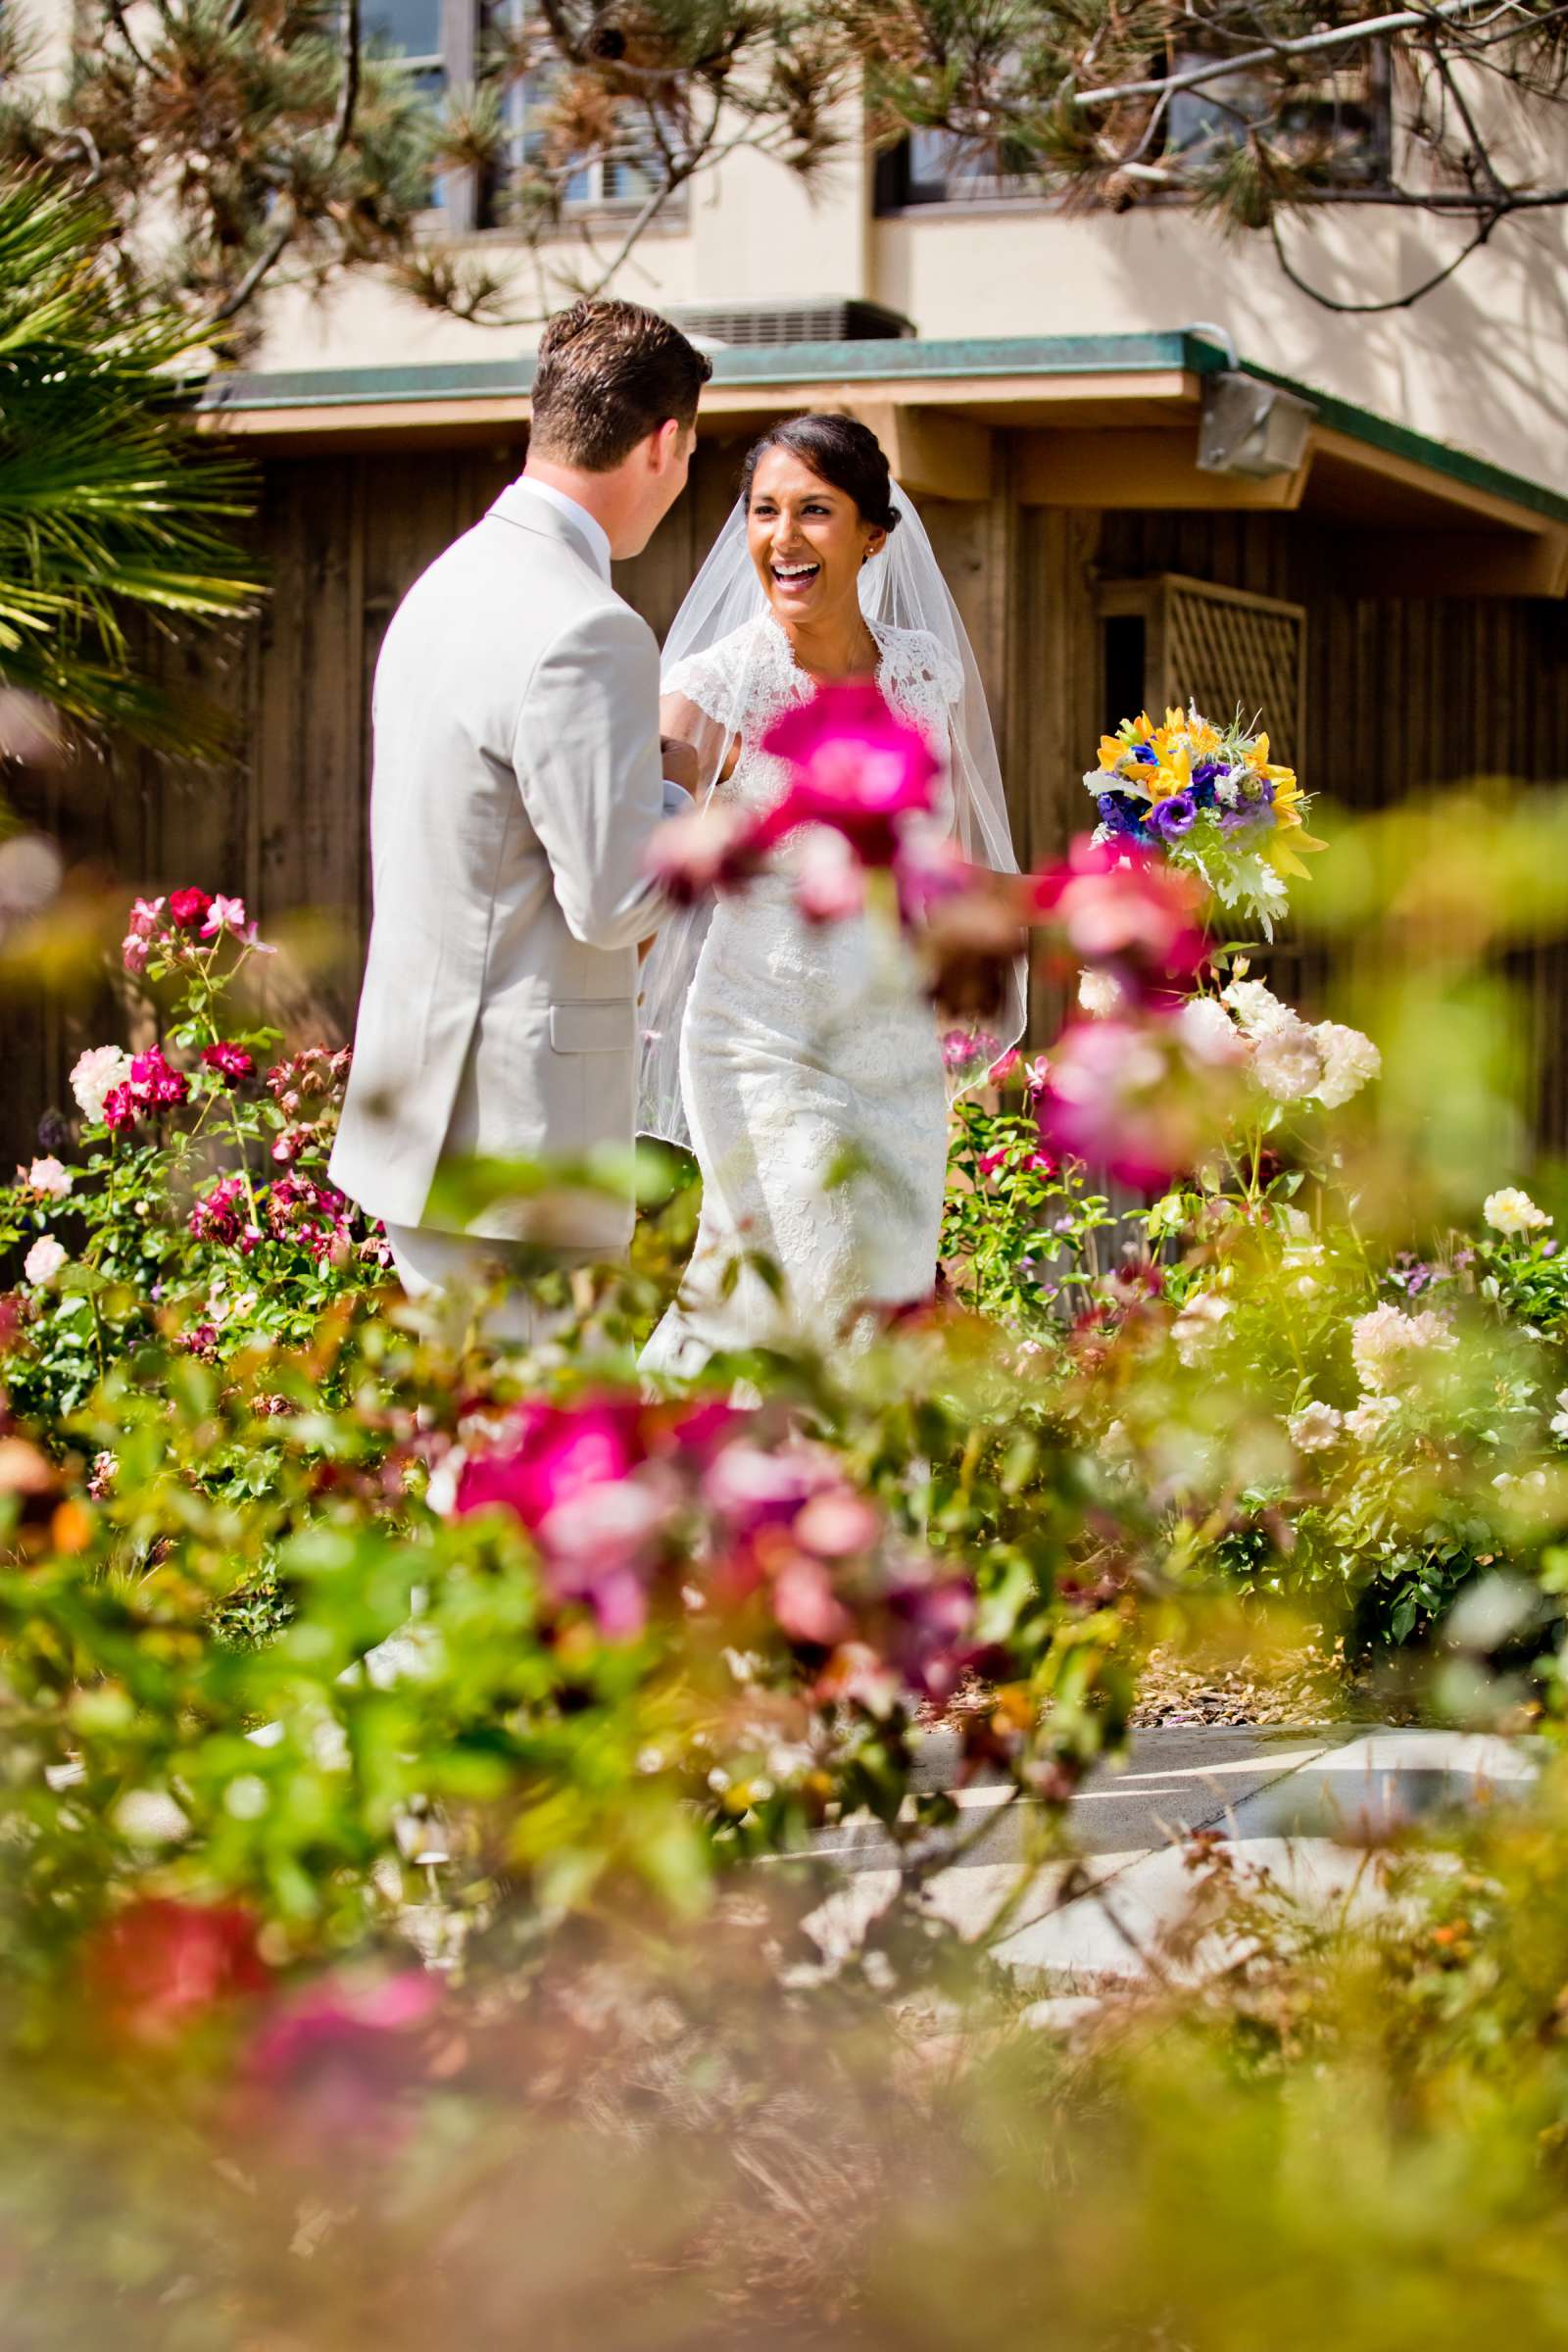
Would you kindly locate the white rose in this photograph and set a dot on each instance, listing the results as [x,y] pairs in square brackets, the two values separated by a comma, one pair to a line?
[44,1259]
[1256,1006]
[95,1073]
[1370,1417]
[1101,994]
[1315,1426]
[1350,1059]
[1287,1061]
[1208,1033]
[1513,1211]
[49,1176]
[1198,1324]
[1384,1342]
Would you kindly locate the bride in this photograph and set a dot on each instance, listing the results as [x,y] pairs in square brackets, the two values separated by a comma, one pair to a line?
[798,1060]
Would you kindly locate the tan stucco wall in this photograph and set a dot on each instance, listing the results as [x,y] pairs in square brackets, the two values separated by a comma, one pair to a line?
[1482,362]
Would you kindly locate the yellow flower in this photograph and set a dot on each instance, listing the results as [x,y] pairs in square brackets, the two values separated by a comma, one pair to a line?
[1115,749]
[1173,774]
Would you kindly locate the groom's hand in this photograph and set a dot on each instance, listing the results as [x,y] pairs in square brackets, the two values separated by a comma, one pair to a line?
[681,762]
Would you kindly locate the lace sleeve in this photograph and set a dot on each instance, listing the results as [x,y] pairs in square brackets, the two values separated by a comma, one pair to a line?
[939,664]
[706,680]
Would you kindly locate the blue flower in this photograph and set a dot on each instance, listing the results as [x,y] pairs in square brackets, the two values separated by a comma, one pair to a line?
[1122,814]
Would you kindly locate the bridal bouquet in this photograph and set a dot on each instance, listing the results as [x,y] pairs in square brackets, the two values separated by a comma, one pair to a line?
[1209,798]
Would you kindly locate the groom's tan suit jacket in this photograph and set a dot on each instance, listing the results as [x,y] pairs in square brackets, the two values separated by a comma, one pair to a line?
[514,789]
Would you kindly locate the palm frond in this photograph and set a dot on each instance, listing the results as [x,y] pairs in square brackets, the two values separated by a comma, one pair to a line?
[112,505]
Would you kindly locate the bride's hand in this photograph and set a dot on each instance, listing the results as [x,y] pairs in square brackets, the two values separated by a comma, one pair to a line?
[681,762]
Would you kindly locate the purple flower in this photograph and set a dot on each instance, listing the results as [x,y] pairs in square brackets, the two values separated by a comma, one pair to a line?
[1173,818]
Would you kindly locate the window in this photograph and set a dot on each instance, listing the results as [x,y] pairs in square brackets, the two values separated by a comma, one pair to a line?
[1339,124]
[443,45]
[615,184]
[434,43]
[412,32]
[938,167]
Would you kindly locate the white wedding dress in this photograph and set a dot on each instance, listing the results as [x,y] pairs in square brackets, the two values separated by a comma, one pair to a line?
[810,1065]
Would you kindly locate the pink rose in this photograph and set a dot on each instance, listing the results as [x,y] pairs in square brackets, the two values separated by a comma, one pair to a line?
[857,767]
[1124,908]
[1131,1097]
[829,884]
[223,914]
[708,850]
[155,1081]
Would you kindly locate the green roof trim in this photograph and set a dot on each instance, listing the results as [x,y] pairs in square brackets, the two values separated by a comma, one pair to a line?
[895,360]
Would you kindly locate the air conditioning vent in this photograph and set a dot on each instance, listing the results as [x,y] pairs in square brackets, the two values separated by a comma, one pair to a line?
[768,324]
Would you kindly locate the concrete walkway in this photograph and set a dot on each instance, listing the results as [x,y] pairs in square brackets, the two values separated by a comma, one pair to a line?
[1302,1804]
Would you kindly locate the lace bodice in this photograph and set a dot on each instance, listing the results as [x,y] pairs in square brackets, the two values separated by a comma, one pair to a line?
[744,681]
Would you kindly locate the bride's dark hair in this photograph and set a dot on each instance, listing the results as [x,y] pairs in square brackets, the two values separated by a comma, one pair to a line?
[841,452]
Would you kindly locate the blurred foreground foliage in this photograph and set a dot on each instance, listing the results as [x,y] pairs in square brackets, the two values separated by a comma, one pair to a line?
[413,1749]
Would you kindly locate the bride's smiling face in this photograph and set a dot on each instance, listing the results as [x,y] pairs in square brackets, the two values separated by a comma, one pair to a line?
[808,540]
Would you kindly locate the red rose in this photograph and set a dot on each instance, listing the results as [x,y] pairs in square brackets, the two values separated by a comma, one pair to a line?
[230,1061]
[189,908]
[161,1965]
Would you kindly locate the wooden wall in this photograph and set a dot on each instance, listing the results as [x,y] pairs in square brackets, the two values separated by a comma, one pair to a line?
[1402,694]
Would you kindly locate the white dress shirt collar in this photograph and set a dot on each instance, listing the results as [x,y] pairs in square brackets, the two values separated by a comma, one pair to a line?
[589,527]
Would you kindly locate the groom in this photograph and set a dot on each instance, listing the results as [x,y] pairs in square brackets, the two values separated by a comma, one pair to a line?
[516,783]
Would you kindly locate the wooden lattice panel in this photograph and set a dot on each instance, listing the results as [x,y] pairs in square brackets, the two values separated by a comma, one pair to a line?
[1219,648]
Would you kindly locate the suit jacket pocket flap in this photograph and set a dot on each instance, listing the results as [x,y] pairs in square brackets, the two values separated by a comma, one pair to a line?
[592,1027]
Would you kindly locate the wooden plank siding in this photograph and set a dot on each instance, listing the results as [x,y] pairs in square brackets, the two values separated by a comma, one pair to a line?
[1402,694]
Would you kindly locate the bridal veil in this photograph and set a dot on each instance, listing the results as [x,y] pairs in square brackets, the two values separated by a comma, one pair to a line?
[902,587]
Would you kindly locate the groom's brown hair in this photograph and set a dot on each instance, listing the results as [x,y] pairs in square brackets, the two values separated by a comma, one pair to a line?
[608,374]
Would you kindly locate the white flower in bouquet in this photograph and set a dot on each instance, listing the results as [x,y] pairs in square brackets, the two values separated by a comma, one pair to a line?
[1287,1061]
[44,1259]
[1369,1419]
[1350,1060]
[1384,1343]
[1315,1426]
[1196,1326]
[95,1074]
[1101,995]
[1513,1211]
[1559,1423]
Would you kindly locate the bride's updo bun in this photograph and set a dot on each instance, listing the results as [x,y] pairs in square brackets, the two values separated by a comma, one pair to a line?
[842,453]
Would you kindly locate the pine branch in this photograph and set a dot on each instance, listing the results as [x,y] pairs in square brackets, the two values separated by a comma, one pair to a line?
[1313,44]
